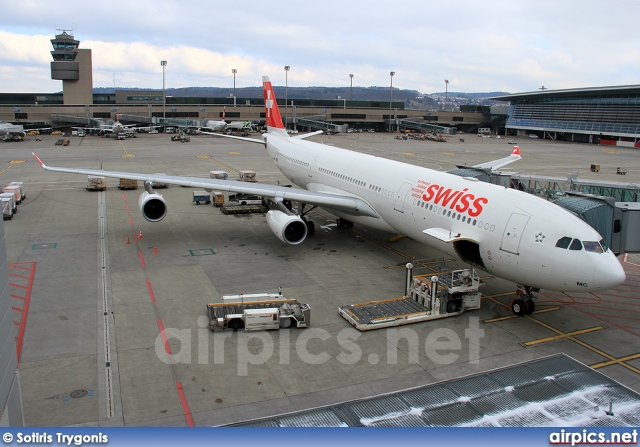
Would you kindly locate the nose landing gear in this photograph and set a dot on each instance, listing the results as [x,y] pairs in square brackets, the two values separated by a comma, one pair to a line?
[523,303]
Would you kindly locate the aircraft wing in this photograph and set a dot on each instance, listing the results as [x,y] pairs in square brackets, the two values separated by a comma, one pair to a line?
[250,140]
[349,204]
[497,164]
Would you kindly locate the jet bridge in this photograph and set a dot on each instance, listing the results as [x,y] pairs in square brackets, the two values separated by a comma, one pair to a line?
[422,126]
[317,122]
[612,209]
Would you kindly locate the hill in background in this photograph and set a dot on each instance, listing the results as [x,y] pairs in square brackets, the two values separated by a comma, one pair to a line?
[412,98]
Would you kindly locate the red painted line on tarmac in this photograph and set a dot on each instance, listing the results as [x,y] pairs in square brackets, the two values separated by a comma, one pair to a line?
[126,206]
[17,309]
[18,297]
[185,405]
[130,220]
[15,275]
[18,286]
[144,266]
[27,299]
[151,294]
[167,348]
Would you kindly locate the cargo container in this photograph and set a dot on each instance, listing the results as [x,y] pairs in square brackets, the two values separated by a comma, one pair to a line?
[15,190]
[201,196]
[96,183]
[126,183]
[222,175]
[247,176]
[23,193]
[7,212]
[11,198]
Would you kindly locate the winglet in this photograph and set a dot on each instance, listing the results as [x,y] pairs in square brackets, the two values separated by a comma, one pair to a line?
[274,119]
[39,161]
[516,150]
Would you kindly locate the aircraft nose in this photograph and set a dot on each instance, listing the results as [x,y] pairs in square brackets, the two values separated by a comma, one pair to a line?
[608,273]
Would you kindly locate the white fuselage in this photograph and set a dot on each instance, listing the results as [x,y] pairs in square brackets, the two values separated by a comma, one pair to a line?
[215,126]
[506,232]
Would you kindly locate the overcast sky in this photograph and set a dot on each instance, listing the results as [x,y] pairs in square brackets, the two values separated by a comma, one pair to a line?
[479,46]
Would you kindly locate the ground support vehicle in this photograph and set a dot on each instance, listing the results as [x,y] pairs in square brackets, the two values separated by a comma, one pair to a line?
[243,209]
[246,199]
[96,183]
[126,183]
[218,198]
[258,311]
[429,297]
[201,196]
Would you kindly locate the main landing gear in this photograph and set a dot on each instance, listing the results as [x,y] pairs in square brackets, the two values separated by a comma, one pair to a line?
[344,223]
[523,303]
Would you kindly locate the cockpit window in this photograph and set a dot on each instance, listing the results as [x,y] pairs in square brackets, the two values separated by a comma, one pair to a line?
[592,246]
[604,245]
[575,245]
[563,242]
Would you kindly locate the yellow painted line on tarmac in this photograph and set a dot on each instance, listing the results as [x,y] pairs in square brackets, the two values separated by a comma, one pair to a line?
[407,153]
[510,317]
[561,336]
[2,172]
[617,361]
[126,154]
[227,168]
[234,153]
[203,156]
[15,162]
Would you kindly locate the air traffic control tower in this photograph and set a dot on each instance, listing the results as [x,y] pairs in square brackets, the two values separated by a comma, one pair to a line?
[73,67]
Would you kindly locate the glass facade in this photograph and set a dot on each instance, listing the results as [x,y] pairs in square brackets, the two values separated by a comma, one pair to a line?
[603,112]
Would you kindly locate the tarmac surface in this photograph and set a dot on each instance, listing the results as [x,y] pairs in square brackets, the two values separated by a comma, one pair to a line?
[102,295]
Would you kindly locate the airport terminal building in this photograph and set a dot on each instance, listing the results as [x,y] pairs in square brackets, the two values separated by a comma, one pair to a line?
[599,115]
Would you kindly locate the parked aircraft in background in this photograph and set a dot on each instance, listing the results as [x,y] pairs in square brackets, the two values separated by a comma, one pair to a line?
[505,232]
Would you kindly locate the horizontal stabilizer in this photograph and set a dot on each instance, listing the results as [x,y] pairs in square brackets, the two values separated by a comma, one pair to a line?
[497,164]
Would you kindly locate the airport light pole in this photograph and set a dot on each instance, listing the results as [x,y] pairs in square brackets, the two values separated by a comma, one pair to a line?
[164,96]
[351,88]
[286,87]
[391,74]
[446,93]
[234,71]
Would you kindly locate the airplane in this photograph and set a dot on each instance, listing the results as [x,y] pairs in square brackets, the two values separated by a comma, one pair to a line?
[213,125]
[114,127]
[502,231]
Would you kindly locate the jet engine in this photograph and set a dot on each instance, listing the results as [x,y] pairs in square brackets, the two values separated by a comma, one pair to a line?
[289,228]
[152,206]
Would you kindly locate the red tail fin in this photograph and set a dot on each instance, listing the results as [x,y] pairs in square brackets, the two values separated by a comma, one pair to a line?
[224,112]
[270,105]
[516,150]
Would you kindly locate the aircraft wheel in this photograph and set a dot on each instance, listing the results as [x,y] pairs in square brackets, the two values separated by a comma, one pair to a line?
[311,227]
[452,307]
[531,307]
[519,307]
[341,223]
[349,224]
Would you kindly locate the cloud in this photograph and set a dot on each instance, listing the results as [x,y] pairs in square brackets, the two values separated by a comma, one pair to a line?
[495,45]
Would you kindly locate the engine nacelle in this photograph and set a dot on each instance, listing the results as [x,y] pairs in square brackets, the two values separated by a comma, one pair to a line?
[290,229]
[152,206]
